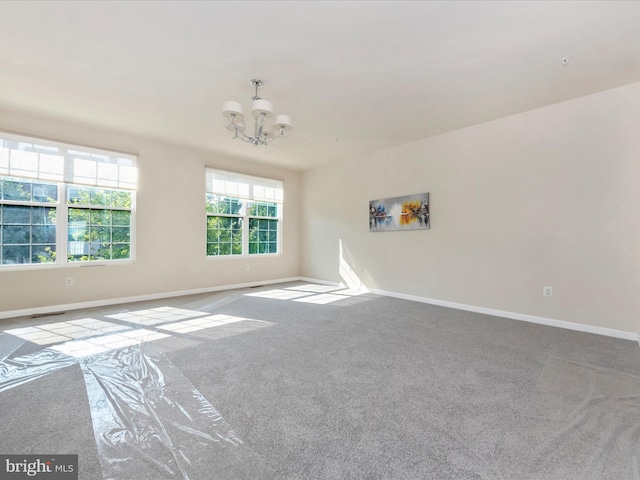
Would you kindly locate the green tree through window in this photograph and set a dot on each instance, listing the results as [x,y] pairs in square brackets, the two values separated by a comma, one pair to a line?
[99,224]
[244,214]
[61,203]
[27,221]
[224,225]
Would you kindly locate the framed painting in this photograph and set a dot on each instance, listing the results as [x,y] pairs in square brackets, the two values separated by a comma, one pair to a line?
[410,212]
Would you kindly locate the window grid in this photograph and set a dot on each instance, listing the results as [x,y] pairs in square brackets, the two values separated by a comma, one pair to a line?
[236,226]
[263,228]
[28,217]
[53,194]
[224,235]
[97,234]
[263,236]
[99,224]
[94,224]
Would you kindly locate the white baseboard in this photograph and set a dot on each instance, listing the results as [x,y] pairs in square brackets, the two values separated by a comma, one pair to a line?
[321,282]
[137,298]
[609,332]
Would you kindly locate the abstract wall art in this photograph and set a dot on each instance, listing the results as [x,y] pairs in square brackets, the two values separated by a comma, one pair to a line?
[410,212]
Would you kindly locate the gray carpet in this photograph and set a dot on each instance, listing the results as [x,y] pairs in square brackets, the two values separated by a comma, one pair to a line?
[280,382]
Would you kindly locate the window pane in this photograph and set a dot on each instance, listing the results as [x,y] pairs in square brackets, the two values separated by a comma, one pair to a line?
[223,205]
[100,217]
[44,192]
[17,190]
[43,234]
[263,209]
[79,216]
[84,250]
[121,199]
[16,214]
[77,249]
[216,204]
[103,251]
[224,235]
[101,234]
[263,236]
[121,251]
[214,222]
[44,254]
[121,234]
[43,215]
[78,232]
[16,254]
[16,234]
[121,218]
[100,197]
[78,195]
[213,235]
[225,222]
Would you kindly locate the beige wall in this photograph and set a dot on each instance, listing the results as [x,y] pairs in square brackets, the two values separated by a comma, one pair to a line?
[546,197]
[171,228]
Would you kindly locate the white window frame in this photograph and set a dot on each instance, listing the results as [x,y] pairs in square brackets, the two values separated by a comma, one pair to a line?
[247,188]
[67,165]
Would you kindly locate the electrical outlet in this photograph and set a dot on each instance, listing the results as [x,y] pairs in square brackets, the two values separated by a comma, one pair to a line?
[69,282]
[547,291]
[246,268]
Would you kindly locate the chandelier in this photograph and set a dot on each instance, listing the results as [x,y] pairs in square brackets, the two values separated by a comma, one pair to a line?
[261,110]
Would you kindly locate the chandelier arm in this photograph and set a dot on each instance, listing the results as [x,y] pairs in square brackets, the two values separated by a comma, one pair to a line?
[269,140]
[240,134]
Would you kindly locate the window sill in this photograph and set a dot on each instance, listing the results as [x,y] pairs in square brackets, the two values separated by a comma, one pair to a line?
[52,266]
[247,256]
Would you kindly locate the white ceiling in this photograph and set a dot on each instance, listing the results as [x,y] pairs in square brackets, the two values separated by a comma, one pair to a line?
[356,76]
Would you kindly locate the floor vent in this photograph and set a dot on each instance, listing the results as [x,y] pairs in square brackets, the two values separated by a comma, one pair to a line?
[40,315]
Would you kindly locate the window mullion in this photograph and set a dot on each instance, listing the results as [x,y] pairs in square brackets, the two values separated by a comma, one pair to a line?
[245,227]
[61,225]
